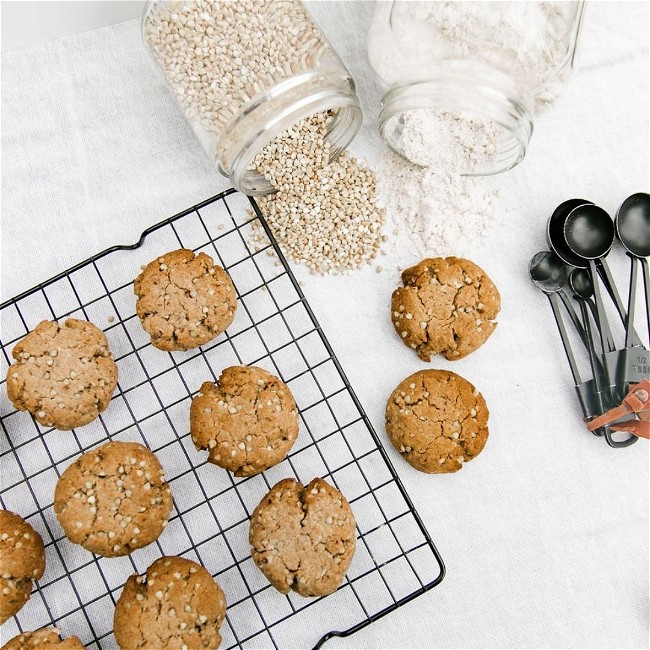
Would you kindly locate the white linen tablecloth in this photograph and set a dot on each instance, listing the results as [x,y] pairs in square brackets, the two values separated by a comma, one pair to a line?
[545,534]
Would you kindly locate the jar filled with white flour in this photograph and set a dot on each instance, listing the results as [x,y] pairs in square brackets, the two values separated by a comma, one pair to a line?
[245,71]
[463,79]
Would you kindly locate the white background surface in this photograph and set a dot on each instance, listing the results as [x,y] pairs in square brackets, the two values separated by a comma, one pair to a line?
[27,23]
[545,534]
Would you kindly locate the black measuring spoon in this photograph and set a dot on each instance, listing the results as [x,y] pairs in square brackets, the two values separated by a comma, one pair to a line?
[589,234]
[552,274]
[633,229]
[580,282]
[582,287]
[555,232]
[557,242]
[549,275]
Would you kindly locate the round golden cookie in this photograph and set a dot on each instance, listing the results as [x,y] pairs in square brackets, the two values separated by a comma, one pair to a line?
[437,420]
[303,538]
[22,559]
[248,421]
[446,306]
[113,499]
[177,604]
[184,300]
[64,375]
[46,637]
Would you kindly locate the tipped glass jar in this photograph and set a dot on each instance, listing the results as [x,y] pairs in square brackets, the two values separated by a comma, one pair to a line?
[243,72]
[463,79]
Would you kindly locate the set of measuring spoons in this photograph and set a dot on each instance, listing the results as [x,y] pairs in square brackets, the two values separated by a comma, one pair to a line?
[615,400]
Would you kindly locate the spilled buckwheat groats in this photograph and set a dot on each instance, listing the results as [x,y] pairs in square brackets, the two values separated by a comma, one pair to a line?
[324,215]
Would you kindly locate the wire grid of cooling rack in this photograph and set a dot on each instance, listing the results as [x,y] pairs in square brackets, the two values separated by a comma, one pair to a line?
[274,328]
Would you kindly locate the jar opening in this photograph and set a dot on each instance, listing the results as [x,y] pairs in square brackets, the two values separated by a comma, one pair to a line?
[280,108]
[472,122]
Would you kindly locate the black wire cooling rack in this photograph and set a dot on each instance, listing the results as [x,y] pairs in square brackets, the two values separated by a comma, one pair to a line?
[274,328]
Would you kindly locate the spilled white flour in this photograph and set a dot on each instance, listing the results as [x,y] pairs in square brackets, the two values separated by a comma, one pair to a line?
[433,213]
[430,209]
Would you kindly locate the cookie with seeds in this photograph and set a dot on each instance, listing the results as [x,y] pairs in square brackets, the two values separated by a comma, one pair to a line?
[303,537]
[184,300]
[22,559]
[113,499]
[446,306]
[437,420]
[247,421]
[176,604]
[64,375]
[46,637]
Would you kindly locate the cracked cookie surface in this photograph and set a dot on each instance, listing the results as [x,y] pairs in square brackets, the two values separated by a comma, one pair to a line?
[446,306]
[22,559]
[437,420]
[64,375]
[46,637]
[175,605]
[303,537]
[113,499]
[184,300]
[248,421]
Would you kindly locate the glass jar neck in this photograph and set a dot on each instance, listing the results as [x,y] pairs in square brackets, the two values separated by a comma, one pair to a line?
[277,110]
[468,90]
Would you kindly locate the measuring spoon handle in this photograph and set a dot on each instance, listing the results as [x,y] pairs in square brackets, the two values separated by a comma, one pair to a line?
[574,318]
[610,285]
[606,337]
[631,303]
[646,284]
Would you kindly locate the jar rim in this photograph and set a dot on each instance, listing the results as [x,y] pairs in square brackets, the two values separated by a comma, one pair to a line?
[478,92]
[278,109]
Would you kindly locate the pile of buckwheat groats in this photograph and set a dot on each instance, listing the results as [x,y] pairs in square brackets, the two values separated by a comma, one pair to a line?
[323,215]
[219,55]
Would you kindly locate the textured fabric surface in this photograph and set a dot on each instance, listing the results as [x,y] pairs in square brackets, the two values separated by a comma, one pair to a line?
[545,534]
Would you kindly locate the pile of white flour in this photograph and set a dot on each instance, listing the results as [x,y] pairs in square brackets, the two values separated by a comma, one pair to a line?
[433,213]
[430,209]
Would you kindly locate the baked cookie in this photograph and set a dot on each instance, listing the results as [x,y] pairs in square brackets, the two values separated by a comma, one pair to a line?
[248,421]
[22,559]
[303,538]
[113,499]
[446,306]
[436,420]
[175,605]
[184,300]
[64,375]
[46,637]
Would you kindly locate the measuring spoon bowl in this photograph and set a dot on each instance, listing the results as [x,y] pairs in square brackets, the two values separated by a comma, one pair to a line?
[580,282]
[555,232]
[632,224]
[581,285]
[547,272]
[633,230]
[589,232]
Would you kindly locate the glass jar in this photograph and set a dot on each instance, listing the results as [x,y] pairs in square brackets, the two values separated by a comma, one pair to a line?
[462,80]
[243,72]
